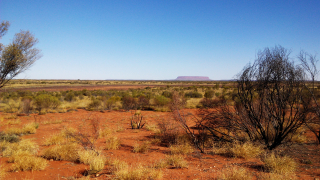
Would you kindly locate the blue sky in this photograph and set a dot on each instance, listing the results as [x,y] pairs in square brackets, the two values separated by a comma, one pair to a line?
[158,39]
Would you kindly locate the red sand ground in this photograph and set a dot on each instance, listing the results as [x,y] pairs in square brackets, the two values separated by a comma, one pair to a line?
[201,166]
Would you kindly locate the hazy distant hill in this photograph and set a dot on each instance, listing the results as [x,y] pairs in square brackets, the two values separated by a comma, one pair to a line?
[193,78]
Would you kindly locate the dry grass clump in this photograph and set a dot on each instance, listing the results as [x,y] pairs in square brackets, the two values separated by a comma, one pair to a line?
[246,150]
[105,132]
[176,161]
[142,148]
[68,152]
[273,176]
[27,162]
[119,165]
[152,127]
[235,173]
[92,158]
[13,122]
[184,148]
[9,138]
[139,173]
[280,165]
[55,139]
[299,136]
[60,138]
[30,128]
[3,172]
[112,143]
[26,146]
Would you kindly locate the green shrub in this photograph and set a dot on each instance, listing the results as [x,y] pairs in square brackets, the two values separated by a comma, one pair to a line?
[209,94]
[193,95]
[46,101]
[95,104]
[161,101]
[128,102]
[70,96]
[167,94]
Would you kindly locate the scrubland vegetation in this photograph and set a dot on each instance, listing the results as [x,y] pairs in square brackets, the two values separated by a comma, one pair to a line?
[258,127]
[179,133]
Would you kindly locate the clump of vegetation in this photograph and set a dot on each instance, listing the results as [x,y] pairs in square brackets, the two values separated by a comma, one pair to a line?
[30,128]
[184,148]
[138,173]
[25,146]
[193,94]
[46,101]
[176,161]
[92,158]
[12,138]
[27,162]
[246,150]
[3,172]
[235,173]
[112,143]
[67,152]
[142,148]
[280,165]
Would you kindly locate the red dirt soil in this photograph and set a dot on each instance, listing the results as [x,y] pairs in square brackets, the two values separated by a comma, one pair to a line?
[200,166]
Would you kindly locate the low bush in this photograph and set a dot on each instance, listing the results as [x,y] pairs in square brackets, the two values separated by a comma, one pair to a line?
[67,152]
[92,158]
[128,102]
[3,172]
[280,165]
[12,138]
[24,146]
[161,101]
[176,161]
[193,94]
[112,143]
[46,101]
[185,148]
[273,176]
[209,94]
[139,173]
[141,148]
[246,150]
[95,104]
[235,173]
[27,162]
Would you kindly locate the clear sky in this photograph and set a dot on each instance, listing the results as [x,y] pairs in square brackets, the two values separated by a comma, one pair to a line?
[158,39]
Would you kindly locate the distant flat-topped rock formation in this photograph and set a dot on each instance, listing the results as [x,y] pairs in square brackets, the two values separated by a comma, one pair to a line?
[193,78]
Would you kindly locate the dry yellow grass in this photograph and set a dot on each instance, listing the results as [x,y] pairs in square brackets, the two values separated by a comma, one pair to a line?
[3,172]
[27,162]
[105,132]
[112,143]
[184,148]
[92,158]
[138,173]
[119,165]
[272,176]
[246,150]
[176,161]
[55,139]
[30,128]
[141,148]
[235,173]
[280,165]
[26,146]
[60,138]
[12,122]
[152,127]
[68,152]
